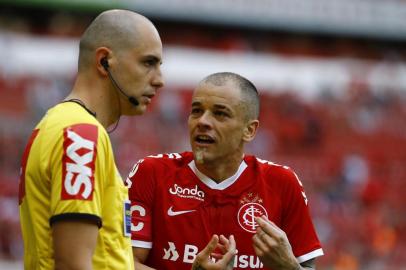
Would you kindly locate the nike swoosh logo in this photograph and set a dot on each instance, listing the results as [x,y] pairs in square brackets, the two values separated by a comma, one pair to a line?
[172,213]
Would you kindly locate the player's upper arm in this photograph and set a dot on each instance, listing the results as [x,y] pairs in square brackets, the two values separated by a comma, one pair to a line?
[74,243]
[140,256]
[141,181]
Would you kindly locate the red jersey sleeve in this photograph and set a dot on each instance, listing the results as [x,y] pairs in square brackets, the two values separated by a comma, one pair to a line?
[296,219]
[141,192]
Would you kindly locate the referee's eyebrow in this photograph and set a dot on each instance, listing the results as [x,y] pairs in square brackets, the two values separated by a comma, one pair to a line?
[153,58]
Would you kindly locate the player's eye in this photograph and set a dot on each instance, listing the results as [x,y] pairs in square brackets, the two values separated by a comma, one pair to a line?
[221,114]
[195,111]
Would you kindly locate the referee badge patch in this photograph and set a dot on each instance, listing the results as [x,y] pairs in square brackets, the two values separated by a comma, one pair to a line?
[127,218]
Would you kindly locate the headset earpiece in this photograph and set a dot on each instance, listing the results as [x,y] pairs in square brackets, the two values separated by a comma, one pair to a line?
[104,63]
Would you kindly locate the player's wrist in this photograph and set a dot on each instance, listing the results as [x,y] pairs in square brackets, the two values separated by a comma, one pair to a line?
[296,266]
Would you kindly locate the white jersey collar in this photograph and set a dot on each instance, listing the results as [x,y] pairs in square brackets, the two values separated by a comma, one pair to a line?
[213,184]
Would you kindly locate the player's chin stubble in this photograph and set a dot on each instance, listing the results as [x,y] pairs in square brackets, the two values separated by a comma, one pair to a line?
[199,155]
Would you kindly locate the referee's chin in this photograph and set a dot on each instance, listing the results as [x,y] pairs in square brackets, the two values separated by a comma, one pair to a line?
[135,110]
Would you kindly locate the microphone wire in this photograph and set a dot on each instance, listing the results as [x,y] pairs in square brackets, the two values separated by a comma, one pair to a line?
[118,100]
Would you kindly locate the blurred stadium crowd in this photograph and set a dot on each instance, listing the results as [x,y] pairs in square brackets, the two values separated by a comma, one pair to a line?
[349,149]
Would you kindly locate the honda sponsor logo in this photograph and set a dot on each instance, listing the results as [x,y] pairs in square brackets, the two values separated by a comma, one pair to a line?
[192,193]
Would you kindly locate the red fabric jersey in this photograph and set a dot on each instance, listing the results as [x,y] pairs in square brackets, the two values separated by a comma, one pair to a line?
[176,209]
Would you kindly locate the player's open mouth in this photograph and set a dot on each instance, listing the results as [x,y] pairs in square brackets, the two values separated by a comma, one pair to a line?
[204,139]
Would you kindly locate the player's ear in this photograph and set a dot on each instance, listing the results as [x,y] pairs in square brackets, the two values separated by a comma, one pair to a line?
[250,130]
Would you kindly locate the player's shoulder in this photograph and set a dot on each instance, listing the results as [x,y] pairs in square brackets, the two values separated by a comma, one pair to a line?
[169,158]
[267,165]
[166,160]
[271,169]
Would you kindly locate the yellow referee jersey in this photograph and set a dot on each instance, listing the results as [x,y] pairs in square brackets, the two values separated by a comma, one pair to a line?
[68,172]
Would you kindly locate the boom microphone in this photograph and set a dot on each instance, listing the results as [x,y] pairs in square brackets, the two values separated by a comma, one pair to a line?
[106,67]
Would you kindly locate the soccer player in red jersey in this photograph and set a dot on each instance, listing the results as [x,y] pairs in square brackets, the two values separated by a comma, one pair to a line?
[215,207]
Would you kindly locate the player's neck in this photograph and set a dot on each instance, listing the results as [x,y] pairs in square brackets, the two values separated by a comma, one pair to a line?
[220,171]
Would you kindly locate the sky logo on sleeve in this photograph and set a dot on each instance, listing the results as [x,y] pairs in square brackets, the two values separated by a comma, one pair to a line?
[78,162]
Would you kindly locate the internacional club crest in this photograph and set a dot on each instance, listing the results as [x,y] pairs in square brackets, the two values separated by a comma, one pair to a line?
[247,214]
[251,207]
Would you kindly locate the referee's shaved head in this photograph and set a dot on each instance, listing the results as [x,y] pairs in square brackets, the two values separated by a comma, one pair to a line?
[117,30]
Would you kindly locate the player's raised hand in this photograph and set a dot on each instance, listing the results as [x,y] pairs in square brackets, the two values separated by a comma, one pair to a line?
[220,248]
[272,246]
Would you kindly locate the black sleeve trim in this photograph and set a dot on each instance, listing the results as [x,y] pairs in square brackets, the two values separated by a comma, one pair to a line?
[76,217]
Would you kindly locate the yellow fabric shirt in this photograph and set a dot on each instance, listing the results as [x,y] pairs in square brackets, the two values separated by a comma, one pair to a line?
[68,172]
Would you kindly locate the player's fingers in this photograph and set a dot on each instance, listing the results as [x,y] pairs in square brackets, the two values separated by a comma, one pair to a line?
[210,247]
[265,218]
[223,240]
[259,240]
[268,227]
[229,255]
[232,241]
[217,256]
[224,244]
[258,247]
[222,248]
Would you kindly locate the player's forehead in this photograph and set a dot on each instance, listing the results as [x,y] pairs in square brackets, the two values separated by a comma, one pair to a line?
[209,94]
